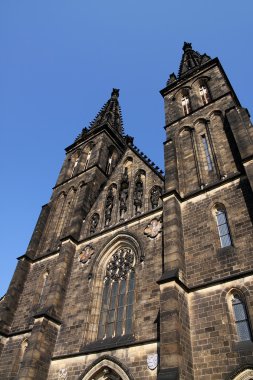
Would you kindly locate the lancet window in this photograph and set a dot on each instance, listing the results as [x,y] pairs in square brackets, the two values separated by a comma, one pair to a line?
[204,93]
[223,227]
[186,104]
[207,153]
[87,160]
[116,317]
[241,318]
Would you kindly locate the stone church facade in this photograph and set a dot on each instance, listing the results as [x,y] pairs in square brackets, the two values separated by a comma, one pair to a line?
[132,274]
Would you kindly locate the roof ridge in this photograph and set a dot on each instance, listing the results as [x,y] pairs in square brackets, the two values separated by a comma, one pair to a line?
[147,160]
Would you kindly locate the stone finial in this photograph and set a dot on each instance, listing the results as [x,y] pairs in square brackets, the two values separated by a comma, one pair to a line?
[115,92]
[187,46]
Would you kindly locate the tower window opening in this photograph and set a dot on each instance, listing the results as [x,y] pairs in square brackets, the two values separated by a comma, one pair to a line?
[75,165]
[204,94]
[186,105]
[241,319]
[207,153]
[223,229]
[109,165]
[87,160]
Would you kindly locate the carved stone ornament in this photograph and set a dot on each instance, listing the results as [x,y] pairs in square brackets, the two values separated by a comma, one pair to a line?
[63,373]
[109,206]
[152,361]
[155,195]
[121,263]
[94,223]
[153,228]
[138,194]
[86,254]
[123,195]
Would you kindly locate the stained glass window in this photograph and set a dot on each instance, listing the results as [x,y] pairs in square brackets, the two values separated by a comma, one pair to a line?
[118,295]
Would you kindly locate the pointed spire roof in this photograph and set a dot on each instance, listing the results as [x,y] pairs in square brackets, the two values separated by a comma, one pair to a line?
[109,114]
[191,59]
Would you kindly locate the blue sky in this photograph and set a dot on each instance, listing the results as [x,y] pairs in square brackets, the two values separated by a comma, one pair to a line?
[59,61]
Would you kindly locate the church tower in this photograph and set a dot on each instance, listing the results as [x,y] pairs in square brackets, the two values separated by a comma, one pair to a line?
[206,287]
[131,274]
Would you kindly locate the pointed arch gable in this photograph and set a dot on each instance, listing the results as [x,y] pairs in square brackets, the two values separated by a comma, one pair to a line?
[129,240]
[104,362]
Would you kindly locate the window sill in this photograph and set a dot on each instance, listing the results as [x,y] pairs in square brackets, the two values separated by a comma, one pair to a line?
[230,250]
[246,345]
[107,343]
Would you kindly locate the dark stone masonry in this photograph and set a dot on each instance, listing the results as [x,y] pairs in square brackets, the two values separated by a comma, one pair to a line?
[132,274]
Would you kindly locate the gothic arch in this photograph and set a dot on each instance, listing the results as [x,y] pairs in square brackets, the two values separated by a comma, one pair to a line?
[181,91]
[107,363]
[241,373]
[203,78]
[129,240]
[98,270]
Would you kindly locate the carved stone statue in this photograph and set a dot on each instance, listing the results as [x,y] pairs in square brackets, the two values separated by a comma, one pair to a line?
[155,195]
[94,223]
[138,194]
[109,206]
[123,195]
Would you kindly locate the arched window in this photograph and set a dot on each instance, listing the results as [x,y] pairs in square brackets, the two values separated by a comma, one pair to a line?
[18,359]
[241,318]
[109,164]
[87,159]
[223,228]
[207,152]
[75,159]
[43,286]
[116,316]
[204,93]
[186,104]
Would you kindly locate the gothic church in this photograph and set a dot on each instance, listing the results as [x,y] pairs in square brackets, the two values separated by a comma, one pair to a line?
[131,274]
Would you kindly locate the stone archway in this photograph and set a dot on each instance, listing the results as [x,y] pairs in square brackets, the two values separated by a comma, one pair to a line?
[106,369]
[245,375]
[106,373]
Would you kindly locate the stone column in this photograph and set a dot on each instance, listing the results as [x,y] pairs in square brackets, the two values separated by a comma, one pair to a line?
[175,341]
[9,304]
[242,130]
[171,170]
[172,235]
[37,357]
[61,275]
[38,230]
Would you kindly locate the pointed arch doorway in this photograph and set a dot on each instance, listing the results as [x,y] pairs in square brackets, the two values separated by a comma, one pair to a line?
[245,375]
[106,369]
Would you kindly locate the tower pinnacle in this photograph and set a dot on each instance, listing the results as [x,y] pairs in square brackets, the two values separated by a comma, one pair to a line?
[109,114]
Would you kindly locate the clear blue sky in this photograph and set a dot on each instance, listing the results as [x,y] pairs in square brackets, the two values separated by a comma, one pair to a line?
[59,62]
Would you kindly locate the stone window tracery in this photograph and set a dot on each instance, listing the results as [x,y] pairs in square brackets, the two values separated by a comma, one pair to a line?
[118,295]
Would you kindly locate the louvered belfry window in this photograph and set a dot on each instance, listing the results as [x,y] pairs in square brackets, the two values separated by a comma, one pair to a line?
[241,318]
[116,315]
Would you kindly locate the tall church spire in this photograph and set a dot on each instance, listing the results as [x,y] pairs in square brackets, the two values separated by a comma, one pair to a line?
[109,114]
[191,59]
